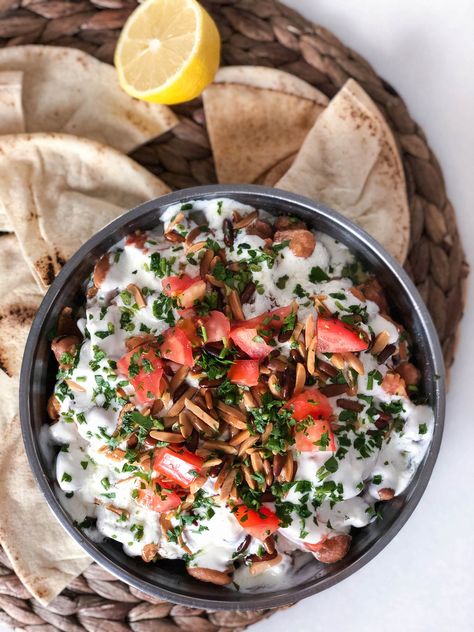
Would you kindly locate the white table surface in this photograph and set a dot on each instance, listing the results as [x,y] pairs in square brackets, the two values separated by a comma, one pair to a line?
[423,581]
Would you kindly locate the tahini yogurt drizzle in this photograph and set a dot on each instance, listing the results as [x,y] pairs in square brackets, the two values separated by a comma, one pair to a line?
[333,491]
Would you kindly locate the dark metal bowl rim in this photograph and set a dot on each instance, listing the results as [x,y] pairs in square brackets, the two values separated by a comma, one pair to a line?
[248,192]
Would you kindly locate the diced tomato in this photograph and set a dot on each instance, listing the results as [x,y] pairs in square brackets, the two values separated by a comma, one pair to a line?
[335,336]
[312,403]
[187,289]
[177,347]
[260,524]
[188,325]
[216,325]
[144,370]
[179,465]
[272,320]
[316,437]
[159,501]
[174,285]
[244,372]
[251,342]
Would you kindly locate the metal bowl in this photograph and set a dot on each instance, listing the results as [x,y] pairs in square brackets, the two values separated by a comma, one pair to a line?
[168,579]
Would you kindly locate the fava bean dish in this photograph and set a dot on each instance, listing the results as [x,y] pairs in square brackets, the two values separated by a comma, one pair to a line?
[233,390]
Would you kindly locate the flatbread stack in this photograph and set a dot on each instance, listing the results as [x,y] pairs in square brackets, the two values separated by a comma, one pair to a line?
[268,127]
[56,190]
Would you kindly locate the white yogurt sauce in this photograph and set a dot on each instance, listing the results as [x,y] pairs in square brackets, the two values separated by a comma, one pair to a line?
[91,483]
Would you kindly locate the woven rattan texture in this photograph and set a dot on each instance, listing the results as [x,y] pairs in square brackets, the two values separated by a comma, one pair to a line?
[257,32]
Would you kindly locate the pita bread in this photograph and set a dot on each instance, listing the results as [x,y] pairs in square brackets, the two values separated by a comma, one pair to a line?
[46,564]
[350,161]
[12,120]
[66,90]
[19,301]
[257,117]
[88,185]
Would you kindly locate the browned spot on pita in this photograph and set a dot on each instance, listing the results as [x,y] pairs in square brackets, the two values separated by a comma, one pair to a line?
[15,323]
[45,269]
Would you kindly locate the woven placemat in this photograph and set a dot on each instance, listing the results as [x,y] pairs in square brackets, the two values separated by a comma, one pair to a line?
[257,32]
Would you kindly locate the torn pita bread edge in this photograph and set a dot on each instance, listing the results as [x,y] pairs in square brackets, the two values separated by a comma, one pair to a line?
[152,183]
[267,78]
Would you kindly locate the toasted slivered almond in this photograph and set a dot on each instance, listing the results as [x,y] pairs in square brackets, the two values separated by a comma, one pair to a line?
[274,386]
[215,282]
[166,524]
[145,462]
[136,341]
[231,410]
[354,362]
[199,245]
[311,358]
[240,437]
[246,220]
[179,404]
[309,329]
[265,370]
[206,263]
[302,350]
[235,305]
[267,432]
[168,437]
[118,511]
[200,425]
[249,401]
[260,567]
[74,386]
[177,379]
[227,484]
[197,484]
[256,394]
[248,443]
[337,361]
[149,552]
[191,236]
[220,446]
[321,306]
[297,331]
[208,400]
[125,409]
[257,463]
[211,463]
[137,295]
[248,475]
[202,415]
[267,467]
[222,474]
[289,467]
[185,425]
[380,342]
[357,293]
[174,222]
[300,379]
[114,455]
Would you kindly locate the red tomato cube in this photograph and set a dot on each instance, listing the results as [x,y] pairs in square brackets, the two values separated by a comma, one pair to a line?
[144,369]
[177,347]
[260,524]
[179,465]
[159,501]
[244,372]
[251,342]
[335,336]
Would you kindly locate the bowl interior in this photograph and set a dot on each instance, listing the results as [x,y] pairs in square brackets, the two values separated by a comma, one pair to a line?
[167,578]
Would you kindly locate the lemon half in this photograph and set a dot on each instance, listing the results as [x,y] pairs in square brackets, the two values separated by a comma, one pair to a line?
[168,51]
